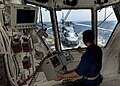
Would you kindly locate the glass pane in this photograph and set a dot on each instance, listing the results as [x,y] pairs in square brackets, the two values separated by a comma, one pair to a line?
[106,24]
[71,25]
[44,21]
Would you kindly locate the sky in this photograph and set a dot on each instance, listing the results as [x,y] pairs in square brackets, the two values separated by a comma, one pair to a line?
[106,12]
[80,15]
[76,15]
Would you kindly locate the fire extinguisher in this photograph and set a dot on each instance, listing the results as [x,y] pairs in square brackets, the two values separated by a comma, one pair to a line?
[26,45]
[16,45]
[26,62]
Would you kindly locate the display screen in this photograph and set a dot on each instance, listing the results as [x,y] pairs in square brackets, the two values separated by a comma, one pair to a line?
[25,16]
[55,61]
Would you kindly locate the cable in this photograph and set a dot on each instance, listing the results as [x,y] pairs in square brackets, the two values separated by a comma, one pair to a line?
[6,48]
[10,78]
[7,55]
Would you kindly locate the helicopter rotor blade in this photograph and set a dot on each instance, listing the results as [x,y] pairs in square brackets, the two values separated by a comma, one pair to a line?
[66,16]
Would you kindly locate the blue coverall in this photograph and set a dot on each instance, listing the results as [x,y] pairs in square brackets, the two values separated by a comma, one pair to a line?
[90,65]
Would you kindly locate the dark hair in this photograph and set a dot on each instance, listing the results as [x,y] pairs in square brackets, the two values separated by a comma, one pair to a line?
[88,36]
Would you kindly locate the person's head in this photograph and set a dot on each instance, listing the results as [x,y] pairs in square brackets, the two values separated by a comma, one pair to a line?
[88,36]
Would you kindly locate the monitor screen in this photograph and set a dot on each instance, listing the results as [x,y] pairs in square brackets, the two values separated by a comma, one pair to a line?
[25,16]
[55,61]
[21,16]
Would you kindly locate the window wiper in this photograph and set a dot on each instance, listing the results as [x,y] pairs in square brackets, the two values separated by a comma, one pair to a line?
[105,19]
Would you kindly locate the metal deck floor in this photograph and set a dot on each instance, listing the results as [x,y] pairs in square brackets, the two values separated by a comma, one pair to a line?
[112,82]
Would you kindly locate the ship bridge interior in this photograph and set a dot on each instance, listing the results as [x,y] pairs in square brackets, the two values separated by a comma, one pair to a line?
[40,37]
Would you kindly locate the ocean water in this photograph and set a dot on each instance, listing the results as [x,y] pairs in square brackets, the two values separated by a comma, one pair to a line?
[105,28]
[108,25]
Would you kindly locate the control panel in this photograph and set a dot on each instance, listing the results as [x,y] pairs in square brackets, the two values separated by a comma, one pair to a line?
[65,57]
[56,63]
[51,65]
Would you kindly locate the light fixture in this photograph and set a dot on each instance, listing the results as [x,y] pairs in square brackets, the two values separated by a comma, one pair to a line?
[70,2]
[102,1]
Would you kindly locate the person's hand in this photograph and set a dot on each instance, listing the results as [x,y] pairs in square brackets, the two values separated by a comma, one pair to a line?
[58,77]
[79,49]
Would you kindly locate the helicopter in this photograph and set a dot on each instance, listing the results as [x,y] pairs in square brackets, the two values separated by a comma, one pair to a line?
[68,36]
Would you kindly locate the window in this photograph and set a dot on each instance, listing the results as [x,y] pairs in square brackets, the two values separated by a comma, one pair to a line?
[71,24]
[44,21]
[106,24]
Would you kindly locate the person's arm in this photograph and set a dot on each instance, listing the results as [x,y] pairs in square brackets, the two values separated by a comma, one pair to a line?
[72,74]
